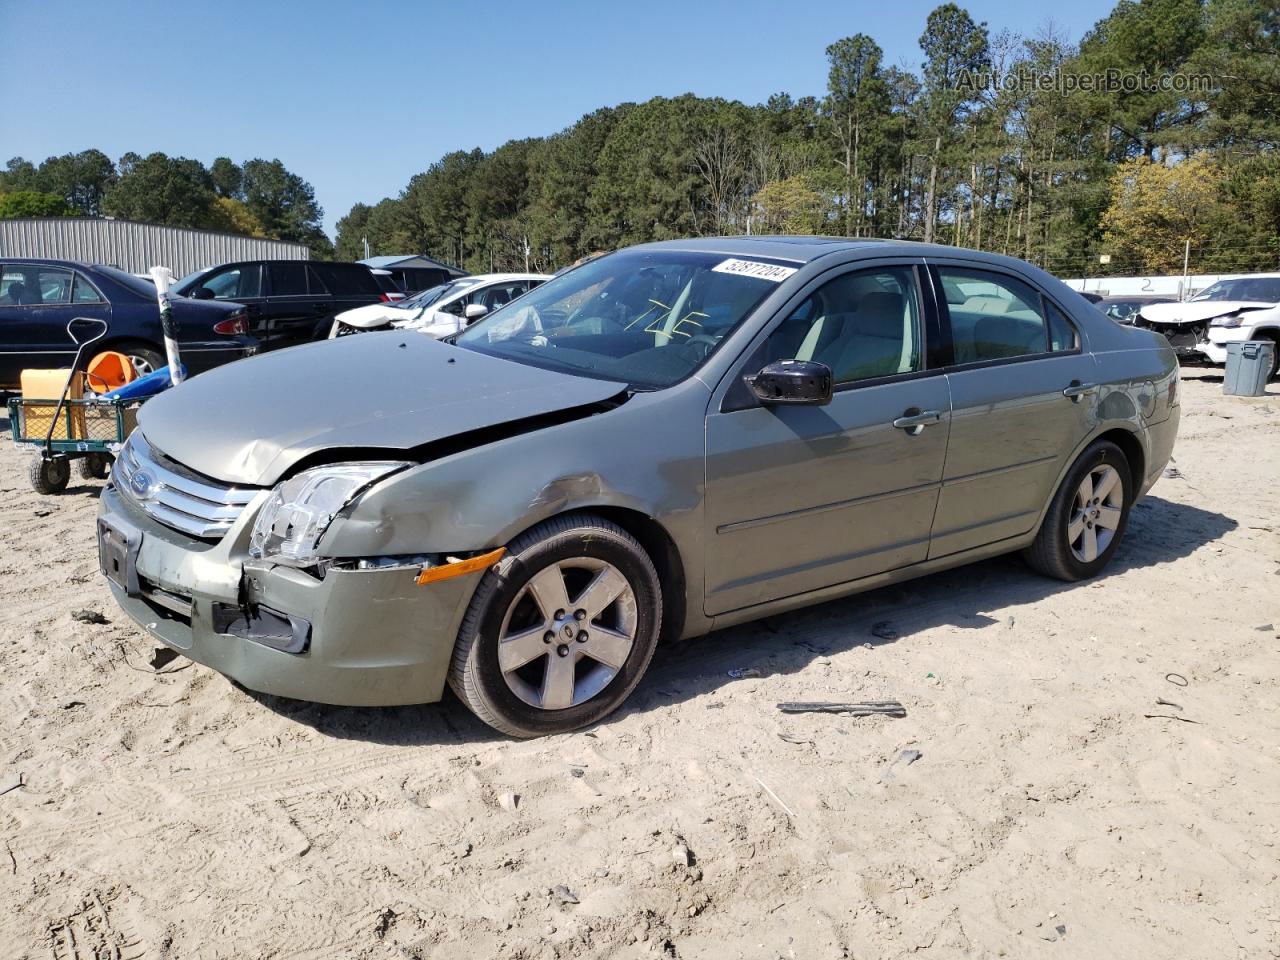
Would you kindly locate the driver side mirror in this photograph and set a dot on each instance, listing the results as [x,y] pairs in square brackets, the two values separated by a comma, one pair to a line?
[201,293]
[793,381]
[474,312]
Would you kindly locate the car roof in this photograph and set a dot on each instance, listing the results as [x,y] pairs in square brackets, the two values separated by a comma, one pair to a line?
[803,250]
[77,264]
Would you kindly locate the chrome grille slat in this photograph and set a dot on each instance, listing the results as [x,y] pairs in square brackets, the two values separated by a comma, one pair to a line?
[175,495]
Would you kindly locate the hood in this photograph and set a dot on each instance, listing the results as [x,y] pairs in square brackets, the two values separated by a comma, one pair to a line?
[249,422]
[1196,312]
[376,315]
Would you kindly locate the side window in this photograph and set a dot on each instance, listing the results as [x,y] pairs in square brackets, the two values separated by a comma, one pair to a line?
[499,294]
[13,287]
[993,316]
[1062,334]
[862,325]
[314,284]
[82,291]
[288,279]
[53,285]
[235,282]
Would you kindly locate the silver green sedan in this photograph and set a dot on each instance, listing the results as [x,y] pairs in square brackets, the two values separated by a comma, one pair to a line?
[663,441]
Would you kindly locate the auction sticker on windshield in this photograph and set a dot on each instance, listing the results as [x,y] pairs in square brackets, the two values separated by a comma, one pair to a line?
[753,268]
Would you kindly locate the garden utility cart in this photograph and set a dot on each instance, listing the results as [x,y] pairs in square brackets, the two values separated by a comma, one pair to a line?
[71,427]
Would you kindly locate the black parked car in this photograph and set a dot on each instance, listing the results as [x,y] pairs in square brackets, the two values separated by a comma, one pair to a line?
[289,301]
[39,297]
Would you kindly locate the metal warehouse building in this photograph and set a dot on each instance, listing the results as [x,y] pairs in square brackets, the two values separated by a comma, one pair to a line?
[136,247]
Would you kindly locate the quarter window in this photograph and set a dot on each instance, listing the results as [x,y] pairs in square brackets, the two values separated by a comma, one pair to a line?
[994,317]
[862,325]
[82,291]
[1062,335]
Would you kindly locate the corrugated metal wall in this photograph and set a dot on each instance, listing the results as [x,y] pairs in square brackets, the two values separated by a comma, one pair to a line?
[136,247]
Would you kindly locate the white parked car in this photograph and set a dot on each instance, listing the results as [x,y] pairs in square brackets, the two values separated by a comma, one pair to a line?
[1246,308]
[442,310]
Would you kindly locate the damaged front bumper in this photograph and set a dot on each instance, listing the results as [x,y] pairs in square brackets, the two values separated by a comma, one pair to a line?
[358,637]
[1190,341]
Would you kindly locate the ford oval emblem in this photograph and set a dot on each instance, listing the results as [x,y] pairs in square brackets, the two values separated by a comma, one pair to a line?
[141,484]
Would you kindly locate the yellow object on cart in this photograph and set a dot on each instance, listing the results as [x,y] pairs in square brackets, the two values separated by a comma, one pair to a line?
[48,385]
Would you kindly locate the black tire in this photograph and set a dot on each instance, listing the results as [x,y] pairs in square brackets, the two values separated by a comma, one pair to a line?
[1275,357]
[475,674]
[149,356]
[1051,552]
[49,476]
[93,467]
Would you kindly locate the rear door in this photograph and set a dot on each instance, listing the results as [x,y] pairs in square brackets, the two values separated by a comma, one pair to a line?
[804,497]
[1014,352]
[297,299]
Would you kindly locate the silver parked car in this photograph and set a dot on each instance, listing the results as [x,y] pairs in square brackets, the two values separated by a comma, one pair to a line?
[665,440]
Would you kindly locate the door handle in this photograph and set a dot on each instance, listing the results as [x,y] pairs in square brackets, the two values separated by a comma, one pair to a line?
[915,422]
[1075,390]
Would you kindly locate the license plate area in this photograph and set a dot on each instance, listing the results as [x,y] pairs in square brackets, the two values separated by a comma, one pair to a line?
[118,556]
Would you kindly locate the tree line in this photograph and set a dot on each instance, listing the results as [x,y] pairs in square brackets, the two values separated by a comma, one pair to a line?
[1078,177]
[1059,173]
[259,198]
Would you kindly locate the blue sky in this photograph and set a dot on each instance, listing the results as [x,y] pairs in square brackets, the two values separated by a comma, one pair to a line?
[358,96]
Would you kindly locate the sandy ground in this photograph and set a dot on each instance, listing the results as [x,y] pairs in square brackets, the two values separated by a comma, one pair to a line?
[175,815]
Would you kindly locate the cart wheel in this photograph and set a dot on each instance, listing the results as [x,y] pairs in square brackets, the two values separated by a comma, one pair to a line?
[50,475]
[94,466]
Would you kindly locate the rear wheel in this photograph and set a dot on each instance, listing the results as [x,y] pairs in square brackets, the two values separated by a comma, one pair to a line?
[93,467]
[1087,517]
[561,630]
[49,475]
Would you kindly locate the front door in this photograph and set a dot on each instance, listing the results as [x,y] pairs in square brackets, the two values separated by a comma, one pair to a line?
[1020,387]
[804,497]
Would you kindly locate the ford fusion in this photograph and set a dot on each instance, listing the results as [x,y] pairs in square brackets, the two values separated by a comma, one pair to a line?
[663,441]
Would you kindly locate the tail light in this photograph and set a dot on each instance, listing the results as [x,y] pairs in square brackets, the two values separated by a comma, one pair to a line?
[384,297]
[236,325]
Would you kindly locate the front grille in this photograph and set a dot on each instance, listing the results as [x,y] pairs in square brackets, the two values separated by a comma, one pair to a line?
[175,496]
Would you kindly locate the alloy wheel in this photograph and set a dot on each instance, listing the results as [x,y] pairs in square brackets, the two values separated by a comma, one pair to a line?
[141,365]
[1095,513]
[567,633]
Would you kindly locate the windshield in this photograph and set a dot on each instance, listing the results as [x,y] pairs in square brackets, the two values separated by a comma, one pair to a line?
[144,288]
[646,318]
[1259,289]
[429,296]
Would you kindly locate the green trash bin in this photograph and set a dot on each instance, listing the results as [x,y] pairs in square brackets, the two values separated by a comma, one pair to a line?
[1249,366]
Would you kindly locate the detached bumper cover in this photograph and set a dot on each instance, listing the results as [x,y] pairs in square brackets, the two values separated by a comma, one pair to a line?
[357,637]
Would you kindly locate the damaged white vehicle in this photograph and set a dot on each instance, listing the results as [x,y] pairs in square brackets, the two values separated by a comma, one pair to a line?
[1199,329]
[440,311]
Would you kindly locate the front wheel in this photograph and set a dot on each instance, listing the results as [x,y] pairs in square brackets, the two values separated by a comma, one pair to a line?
[561,630]
[145,359]
[1087,517]
[49,474]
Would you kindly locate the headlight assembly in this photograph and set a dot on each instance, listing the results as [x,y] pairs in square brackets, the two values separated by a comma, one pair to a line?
[292,521]
[1232,321]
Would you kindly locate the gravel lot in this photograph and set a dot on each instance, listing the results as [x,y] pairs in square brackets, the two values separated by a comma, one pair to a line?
[172,814]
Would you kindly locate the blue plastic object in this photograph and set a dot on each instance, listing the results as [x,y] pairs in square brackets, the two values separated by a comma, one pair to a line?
[144,387]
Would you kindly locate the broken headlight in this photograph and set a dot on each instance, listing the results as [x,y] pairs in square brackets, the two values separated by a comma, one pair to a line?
[292,521]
